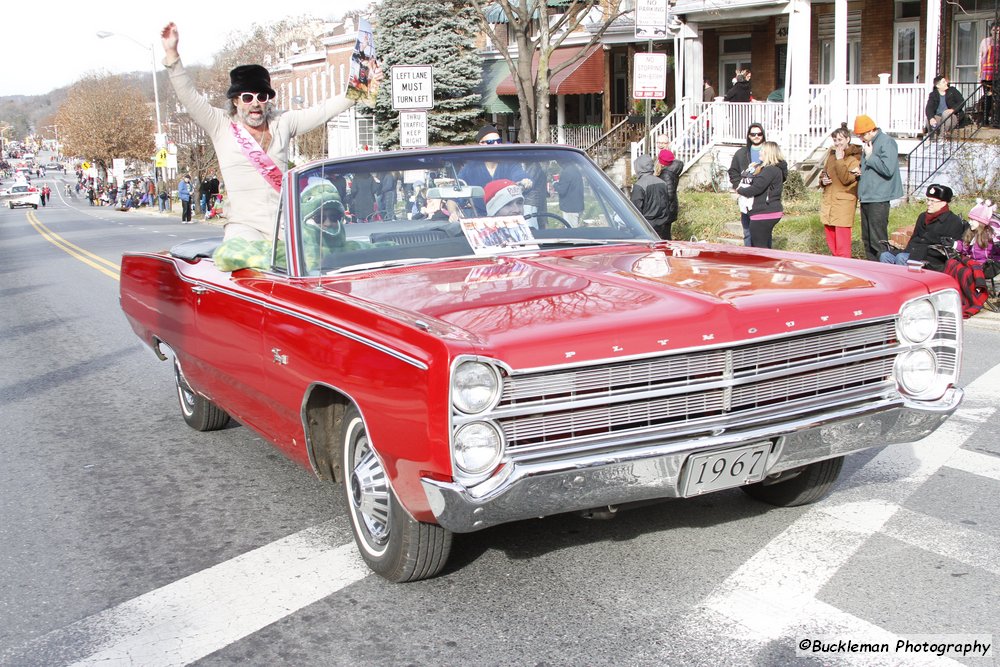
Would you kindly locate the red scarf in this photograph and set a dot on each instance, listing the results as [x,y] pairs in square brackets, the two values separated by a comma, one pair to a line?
[931,217]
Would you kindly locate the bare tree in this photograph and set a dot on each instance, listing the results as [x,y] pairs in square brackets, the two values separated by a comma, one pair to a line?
[532,34]
[106,117]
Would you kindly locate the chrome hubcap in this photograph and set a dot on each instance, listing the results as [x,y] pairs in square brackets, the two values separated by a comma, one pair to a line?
[370,493]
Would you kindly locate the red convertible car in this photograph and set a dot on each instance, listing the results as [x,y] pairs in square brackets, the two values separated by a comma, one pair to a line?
[501,336]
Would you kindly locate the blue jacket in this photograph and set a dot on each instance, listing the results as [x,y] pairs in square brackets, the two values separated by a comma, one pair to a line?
[880,180]
[184,190]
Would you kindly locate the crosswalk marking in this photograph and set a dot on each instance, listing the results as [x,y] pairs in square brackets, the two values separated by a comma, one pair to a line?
[976,463]
[200,614]
[929,533]
[774,593]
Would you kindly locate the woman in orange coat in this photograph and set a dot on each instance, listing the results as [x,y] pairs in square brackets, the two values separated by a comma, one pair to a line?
[840,191]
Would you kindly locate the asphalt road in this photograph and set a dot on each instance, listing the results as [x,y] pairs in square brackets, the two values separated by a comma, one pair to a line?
[128,538]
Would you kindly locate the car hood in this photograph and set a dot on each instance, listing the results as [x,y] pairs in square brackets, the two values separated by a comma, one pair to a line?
[596,303]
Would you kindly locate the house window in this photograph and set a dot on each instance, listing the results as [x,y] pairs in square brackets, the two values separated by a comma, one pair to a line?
[966,35]
[826,61]
[907,9]
[826,34]
[906,52]
[734,54]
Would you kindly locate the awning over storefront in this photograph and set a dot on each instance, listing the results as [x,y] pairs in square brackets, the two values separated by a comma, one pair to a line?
[494,72]
[495,13]
[584,76]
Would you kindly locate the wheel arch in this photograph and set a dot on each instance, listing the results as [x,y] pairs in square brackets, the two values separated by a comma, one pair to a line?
[323,411]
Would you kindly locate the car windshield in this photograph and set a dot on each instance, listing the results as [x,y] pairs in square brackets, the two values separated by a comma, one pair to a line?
[407,207]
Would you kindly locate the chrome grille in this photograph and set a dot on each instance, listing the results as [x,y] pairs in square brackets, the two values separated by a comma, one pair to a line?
[544,411]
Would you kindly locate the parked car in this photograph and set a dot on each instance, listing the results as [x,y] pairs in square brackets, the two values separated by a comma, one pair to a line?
[472,364]
[22,194]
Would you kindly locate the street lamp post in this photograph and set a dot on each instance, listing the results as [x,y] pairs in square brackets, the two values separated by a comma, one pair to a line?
[103,34]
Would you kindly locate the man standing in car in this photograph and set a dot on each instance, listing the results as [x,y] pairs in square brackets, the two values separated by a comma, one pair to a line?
[251,137]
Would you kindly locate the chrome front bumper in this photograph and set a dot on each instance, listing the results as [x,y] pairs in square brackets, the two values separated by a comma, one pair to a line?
[541,488]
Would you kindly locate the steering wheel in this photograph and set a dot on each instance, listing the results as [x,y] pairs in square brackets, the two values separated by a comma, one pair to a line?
[546,214]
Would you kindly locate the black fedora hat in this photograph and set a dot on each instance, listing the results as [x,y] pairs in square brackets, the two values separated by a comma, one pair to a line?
[249,79]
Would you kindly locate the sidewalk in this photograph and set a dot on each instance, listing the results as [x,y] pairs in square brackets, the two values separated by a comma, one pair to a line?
[176,213]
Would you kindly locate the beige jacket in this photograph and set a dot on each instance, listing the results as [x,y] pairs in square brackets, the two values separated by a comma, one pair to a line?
[252,200]
[840,198]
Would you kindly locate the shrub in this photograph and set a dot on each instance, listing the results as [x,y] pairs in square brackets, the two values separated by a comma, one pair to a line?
[795,187]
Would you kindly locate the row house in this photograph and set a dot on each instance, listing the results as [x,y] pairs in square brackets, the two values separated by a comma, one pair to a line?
[820,62]
[310,72]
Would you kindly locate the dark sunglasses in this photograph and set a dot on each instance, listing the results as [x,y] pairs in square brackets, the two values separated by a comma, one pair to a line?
[248,98]
[490,142]
[755,134]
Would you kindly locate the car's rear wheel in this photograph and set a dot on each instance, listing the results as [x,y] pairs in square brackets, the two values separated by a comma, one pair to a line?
[394,544]
[200,413]
[813,483]
[34,206]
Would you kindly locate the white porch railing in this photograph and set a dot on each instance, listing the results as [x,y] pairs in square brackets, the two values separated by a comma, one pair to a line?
[580,136]
[696,127]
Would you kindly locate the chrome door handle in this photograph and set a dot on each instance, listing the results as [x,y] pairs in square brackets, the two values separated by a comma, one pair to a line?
[199,289]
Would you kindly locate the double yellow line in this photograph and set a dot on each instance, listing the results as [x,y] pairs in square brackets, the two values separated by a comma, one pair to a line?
[106,267]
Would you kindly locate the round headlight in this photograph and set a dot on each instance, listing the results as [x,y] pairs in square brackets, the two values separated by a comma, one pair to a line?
[916,371]
[918,321]
[475,387]
[478,447]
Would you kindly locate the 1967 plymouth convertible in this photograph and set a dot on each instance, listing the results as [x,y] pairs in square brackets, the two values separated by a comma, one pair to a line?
[511,340]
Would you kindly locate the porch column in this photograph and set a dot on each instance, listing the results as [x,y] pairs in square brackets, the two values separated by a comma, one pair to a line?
[694,62]
[797,79]
[931,43]
[838,87]
[560,120]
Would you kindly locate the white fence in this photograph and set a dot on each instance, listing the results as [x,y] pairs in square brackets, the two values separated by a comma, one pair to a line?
[580,136]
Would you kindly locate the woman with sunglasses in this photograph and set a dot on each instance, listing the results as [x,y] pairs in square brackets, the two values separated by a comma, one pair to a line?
[763,184]
[251,137]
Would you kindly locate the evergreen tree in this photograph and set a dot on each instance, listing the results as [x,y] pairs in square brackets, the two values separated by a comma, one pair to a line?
[440,34]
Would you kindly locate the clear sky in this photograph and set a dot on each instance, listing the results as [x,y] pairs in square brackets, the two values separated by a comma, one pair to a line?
[54,44]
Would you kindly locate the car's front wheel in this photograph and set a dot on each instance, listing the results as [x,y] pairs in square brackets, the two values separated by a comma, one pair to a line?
[394,544]
[813,483]
[200,413]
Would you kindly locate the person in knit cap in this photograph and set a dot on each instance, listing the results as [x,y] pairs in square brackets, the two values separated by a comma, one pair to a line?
[503,197]
[879,183]
[981,241]
[935,226]
[669,169]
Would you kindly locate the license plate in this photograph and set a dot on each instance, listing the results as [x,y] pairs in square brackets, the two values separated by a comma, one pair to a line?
[725,469]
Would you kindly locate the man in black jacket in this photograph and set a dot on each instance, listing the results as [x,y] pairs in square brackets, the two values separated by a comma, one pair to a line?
[943,104]
[935,226]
